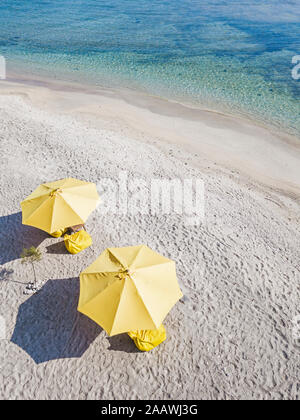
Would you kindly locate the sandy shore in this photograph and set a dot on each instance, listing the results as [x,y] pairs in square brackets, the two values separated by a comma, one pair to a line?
[231,337]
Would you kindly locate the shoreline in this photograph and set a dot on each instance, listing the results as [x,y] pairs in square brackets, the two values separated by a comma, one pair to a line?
[251,150]
[140,98]
[265,116]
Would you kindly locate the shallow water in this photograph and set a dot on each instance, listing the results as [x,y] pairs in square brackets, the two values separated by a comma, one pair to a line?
[230,55]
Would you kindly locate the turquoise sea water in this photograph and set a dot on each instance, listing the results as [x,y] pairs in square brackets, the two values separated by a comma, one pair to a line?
[227,54]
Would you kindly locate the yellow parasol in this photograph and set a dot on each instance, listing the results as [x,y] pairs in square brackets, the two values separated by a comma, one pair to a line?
[60,204]
[131,288]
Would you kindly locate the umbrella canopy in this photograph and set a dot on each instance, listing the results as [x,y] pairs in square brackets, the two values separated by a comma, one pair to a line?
[131,288]
[60,204]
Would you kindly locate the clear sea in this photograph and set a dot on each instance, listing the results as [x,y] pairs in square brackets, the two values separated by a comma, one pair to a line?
[230,55]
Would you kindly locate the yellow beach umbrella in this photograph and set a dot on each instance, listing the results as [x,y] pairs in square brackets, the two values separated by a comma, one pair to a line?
[60,204]
[131,288]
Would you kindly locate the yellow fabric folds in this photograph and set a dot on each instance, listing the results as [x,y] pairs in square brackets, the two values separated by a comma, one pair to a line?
[129,289]
[146,340]
[56,205]
[77,241]
[58,233]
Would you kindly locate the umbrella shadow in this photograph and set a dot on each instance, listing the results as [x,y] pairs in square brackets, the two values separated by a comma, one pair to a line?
[48,325]
[122,342]
[16,236]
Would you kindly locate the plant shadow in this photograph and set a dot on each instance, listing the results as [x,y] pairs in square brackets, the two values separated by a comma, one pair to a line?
[6,275]
[48,325]
[16,236]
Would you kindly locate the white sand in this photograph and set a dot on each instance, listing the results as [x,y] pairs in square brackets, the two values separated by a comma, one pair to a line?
[231,337]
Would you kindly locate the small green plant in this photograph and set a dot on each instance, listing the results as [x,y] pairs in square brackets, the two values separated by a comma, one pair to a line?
[31,255]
